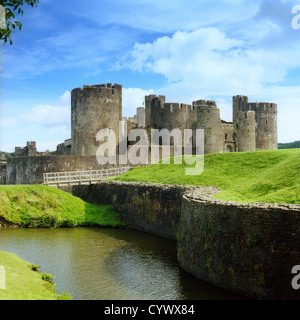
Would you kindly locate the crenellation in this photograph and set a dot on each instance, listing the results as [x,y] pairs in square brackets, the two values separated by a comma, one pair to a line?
[211,103]
[186,107]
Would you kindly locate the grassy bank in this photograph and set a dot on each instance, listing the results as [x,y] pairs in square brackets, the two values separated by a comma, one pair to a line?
[41,206]
[260,176]
[23,283]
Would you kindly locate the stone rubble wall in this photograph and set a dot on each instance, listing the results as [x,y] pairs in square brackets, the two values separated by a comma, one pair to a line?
[249,249]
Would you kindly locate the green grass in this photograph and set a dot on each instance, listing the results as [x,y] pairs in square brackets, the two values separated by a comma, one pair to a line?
[271,176]
[22,283]
[42,206]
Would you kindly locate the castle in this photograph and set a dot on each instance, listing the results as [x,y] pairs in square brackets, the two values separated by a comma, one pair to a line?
[254,125]
[96,107]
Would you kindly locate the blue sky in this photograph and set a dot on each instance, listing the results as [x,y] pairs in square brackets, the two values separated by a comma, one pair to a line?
[185,50]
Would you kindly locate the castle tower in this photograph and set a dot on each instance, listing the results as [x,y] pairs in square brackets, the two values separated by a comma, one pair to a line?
[94,108]
[239,103]
[266,125]
[208,118]
[140,115]
[153,103]
[246,134]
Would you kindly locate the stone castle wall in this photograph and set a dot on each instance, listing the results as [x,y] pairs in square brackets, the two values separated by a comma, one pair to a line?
[153,208]
[254,125]
[208,118]
[266,120]
[246,131]
[29,170]
[249,249]
[230,136]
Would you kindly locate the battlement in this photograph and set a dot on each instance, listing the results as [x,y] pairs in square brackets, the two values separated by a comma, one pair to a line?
[105,90]
[177,107]
[204,103]
[261,107]
[29,150]
[152,99]
[245,115]
[240,98]
[267,106]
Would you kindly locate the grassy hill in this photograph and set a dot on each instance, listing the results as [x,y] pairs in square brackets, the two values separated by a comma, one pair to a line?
[41,206]
[260,176]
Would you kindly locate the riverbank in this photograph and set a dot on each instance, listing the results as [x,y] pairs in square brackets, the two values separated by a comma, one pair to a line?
[249,249]
[23,281]
[47,207]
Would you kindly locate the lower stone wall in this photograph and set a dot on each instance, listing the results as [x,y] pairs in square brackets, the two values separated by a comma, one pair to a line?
[152,208]
[249,249]
[29,170]
[246,248]
[3,174]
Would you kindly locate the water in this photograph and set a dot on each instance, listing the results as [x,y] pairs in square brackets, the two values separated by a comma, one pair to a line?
[109,264]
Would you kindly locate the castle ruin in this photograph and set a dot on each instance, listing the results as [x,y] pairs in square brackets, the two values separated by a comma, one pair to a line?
[96,107]
[254,125]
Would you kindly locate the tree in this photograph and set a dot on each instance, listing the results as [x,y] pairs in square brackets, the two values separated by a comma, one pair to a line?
[13,8]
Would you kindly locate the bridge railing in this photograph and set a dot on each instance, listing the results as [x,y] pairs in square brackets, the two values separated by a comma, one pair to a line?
[81,177]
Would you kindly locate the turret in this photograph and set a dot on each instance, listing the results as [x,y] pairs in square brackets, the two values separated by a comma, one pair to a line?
[94,108]
[152,106]
[239,103]
[266,126]
[245,128]
[208,118]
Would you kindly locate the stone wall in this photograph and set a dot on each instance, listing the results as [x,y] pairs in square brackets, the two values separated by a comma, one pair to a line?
[152,208]
[3,174]
[246,134]
[246,248]
[29,170]
[208,118]
[249,249]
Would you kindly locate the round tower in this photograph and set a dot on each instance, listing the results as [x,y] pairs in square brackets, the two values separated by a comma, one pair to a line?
[94,108]
[208,118]
[140,114]
[152,106]
[266,126]
[245,127]
[239,103]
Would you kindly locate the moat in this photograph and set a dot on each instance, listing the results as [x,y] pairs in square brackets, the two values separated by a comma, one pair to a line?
[109,264]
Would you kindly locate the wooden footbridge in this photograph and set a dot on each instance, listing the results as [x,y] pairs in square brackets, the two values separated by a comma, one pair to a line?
[72,178]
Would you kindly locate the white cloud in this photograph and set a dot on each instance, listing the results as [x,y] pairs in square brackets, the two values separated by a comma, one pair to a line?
[65,99]
[208,59]
[207,64]
[133,98]
[166,16]
[46,115]
[50,115]
[8,122]
[47,124]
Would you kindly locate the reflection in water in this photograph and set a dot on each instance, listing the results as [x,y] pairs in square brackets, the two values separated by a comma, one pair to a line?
[109,264]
